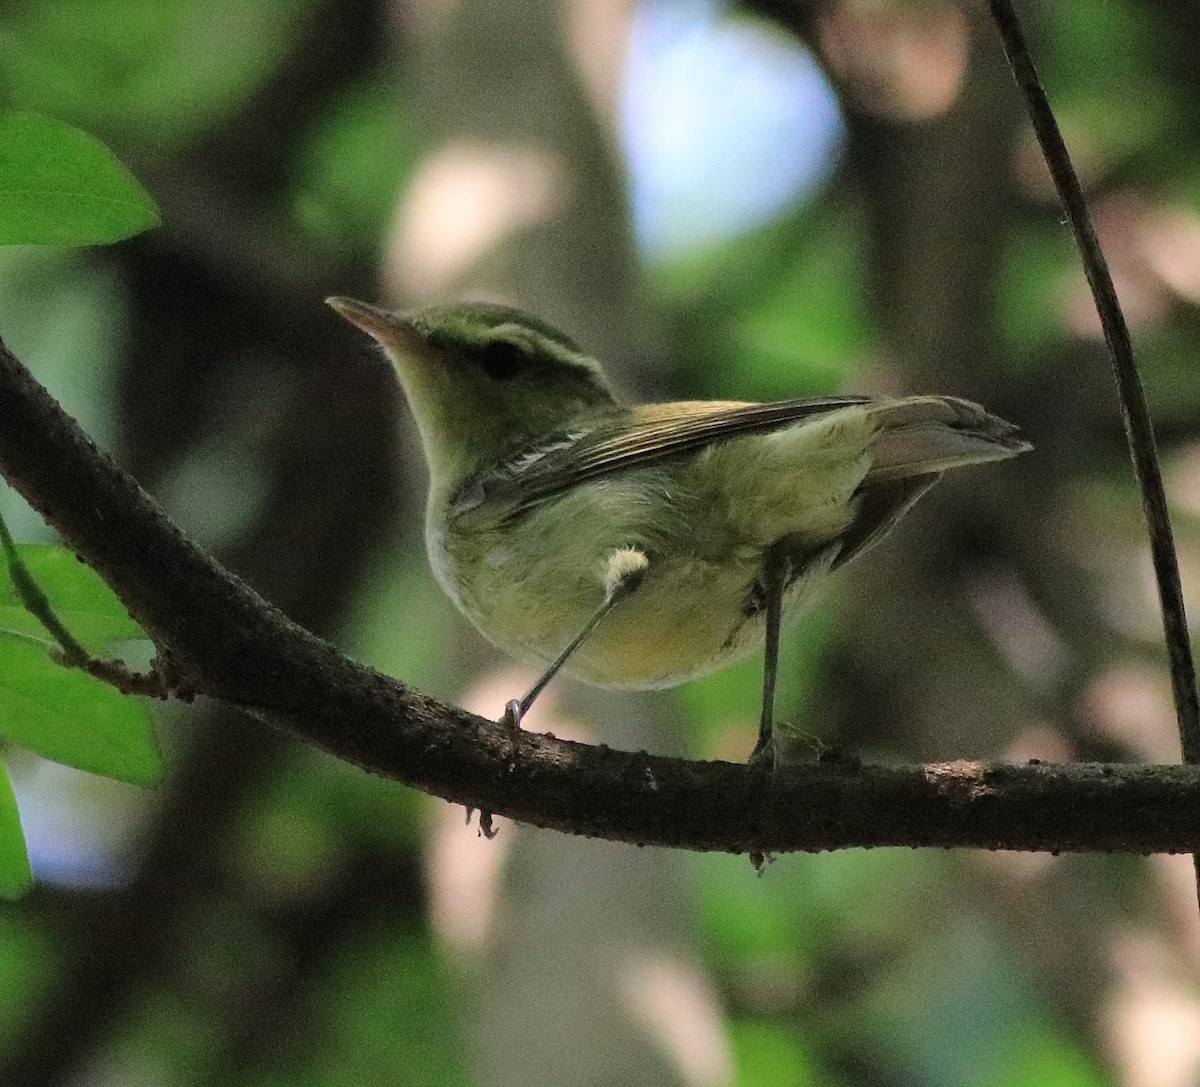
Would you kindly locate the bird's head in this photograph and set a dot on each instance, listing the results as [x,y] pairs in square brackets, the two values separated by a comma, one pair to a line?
[482,380]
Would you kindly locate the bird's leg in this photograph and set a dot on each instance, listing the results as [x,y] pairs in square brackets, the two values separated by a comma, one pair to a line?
[777,568]
[622,576]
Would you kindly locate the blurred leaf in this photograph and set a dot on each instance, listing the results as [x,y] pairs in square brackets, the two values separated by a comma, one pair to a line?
[311,811]
[745,919]
[1032,292]
[66,715]
[64,318]
[89,608]
[809,325]
[793,320]
[356,807]
[1167,357]
[29,956]
[403,623]
[390,1005]
[768,1054]
[1042,1055]
[809,906]
[15,877]
[60,186]
[979,1022]
[156,72]
[355,161]
[289,847]
[1097,47]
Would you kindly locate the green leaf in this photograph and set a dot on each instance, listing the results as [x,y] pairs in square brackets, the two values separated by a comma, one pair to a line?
[88,608]
[15,877]
[69,717]
[60,186]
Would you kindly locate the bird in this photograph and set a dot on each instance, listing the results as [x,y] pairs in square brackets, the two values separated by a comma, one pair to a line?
[641,546]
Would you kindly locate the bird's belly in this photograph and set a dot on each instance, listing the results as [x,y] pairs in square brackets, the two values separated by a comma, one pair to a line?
[687,624]
[531,586]
[689,617]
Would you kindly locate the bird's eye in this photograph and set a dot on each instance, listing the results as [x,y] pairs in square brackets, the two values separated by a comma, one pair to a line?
[502,360]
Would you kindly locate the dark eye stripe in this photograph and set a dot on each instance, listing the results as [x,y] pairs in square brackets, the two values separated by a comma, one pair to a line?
[502,360]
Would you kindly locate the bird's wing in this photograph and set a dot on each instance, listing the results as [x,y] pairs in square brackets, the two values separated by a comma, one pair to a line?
[635,439]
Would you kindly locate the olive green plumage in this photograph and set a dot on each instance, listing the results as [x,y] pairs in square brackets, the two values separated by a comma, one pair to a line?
[538,476]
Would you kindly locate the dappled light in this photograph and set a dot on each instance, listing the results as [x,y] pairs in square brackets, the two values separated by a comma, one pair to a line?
[1131,703]
[1152,1016]
[904,61]
[678,1007]
[465,200]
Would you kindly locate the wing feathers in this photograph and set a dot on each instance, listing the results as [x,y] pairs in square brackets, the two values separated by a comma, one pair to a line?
[634,439]
[925,435]
[915,436]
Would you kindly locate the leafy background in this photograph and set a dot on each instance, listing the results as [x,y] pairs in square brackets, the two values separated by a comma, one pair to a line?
[749,201]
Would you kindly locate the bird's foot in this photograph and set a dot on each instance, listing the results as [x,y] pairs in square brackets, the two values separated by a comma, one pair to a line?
[759,861]
[511,720]
[765,755]
[486,830]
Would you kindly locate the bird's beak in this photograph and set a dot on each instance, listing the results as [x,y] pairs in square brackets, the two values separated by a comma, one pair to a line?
[391,330]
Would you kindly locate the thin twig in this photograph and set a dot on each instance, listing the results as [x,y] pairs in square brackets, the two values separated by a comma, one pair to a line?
[71,652]
[37,604]
[1139,431]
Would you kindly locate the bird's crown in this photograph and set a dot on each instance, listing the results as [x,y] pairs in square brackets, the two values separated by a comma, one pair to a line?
[501,340]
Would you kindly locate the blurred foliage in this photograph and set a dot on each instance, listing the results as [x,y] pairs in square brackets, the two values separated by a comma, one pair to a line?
[143,73]
[60,186]
[59,712]
[1099,46]
[793,321]
[308,948]
[353,161]
[1029,307]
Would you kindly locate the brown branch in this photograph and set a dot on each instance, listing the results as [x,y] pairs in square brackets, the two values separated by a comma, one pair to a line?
[225,642]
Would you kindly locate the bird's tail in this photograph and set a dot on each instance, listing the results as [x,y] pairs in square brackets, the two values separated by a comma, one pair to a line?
[925,435]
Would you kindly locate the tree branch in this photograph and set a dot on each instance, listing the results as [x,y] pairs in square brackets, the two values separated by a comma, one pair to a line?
[224,641]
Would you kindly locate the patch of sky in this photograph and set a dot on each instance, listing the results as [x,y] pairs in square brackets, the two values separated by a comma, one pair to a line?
[74,823]
[724,123]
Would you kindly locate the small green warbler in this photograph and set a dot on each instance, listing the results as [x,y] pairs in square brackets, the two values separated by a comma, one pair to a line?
[644,546]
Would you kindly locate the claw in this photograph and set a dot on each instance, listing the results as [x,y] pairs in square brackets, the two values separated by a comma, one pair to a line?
[765,755]
[760,861]
[512,716]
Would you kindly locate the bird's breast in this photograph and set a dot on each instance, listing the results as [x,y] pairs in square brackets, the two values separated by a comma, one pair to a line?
[530,589]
